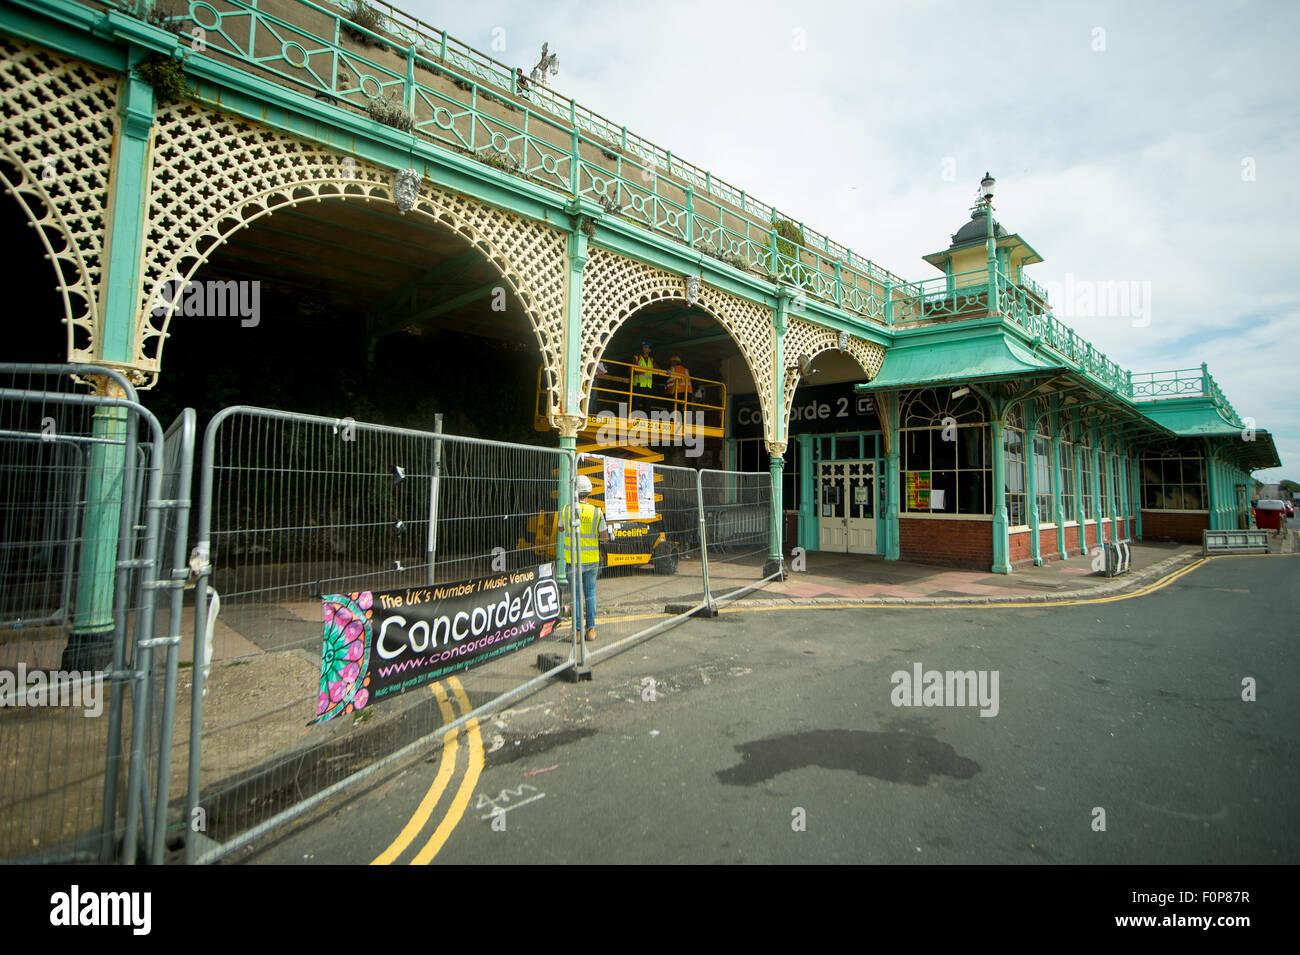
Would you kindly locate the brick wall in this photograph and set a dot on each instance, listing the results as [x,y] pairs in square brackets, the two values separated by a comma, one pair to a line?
[1018,548]
[1166,525]
[1047,544]
[1021,554]
[950,543]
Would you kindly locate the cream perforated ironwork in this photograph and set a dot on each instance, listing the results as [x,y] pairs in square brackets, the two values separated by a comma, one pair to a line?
[803,337]
[615,287]
[57,140]
[214,174]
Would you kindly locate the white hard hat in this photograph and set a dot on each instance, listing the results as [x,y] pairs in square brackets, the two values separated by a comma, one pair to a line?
[584,485]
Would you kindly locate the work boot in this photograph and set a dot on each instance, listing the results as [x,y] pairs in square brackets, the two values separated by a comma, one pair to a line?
[591,634]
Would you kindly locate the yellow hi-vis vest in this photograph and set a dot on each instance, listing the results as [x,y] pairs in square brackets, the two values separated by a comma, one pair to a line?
[588,532]
[642,379]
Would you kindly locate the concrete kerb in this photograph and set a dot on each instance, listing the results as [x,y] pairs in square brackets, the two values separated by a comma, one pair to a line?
[1110,588]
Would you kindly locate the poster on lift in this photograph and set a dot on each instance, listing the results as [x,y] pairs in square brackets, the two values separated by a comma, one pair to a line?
[629,490]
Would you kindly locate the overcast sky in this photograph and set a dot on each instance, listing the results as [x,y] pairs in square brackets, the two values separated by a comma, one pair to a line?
[1155,144]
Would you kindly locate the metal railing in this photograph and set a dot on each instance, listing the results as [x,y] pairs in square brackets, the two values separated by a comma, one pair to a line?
[472,103]
[694,402]
[1176,383]
[1184,383]
[967,295]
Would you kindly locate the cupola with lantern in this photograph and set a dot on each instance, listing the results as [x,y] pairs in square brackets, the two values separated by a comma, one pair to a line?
[966,259]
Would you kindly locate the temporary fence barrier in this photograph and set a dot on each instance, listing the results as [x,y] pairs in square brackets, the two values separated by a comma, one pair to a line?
[718,524]
[302,519]
[1234,542]
[297,508]
[82,475]
[1118,558]
[739,514]
[653,573]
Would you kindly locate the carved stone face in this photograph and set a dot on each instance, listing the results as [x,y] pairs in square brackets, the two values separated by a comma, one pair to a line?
[406,189]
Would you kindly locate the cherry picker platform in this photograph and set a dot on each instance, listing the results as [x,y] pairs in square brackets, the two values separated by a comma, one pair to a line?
[631,426]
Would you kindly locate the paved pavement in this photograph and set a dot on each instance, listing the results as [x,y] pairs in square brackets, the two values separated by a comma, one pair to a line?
[850,578]
[838,577]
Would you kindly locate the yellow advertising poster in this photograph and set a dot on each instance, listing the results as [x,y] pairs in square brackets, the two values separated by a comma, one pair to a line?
[918,490]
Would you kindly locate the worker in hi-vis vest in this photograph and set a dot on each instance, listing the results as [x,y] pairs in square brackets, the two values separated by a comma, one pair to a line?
[679,379]
[592,529]
[643,376]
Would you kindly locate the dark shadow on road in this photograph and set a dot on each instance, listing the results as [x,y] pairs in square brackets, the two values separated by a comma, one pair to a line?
[536,745]
[894,757]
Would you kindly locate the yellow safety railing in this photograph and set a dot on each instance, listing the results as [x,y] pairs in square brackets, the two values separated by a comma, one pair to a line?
[613,393]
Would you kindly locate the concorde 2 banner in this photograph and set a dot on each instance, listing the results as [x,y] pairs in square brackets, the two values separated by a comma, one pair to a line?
[381,643]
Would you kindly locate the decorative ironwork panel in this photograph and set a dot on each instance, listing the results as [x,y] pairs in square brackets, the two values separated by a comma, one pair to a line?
[803,337]
[58,121]
[614,287]
[214,174]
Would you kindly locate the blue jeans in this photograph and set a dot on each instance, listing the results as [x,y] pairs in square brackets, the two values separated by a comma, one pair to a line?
[589,574]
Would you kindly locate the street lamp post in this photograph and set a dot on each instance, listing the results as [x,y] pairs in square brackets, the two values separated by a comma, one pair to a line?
[986,200]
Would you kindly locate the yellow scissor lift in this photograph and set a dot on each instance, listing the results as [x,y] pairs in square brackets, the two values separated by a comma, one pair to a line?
[612,430]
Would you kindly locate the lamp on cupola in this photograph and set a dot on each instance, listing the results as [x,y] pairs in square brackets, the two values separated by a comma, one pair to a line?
[983,253]
[986,198]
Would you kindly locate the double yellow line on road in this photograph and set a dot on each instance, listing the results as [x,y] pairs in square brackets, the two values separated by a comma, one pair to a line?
[879,605]
[446,769]
[1039,604]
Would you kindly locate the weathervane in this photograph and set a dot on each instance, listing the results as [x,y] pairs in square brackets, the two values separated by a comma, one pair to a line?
[548,63]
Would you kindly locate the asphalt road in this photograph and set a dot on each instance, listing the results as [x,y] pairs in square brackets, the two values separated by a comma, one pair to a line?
[1121,736]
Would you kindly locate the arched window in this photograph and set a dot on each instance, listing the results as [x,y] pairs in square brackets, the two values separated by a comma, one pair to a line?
[1067,473]
[944,454]
[1085,477]
[1013,446]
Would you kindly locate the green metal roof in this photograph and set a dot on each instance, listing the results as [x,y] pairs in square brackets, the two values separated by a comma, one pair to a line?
[1197,418]
[1201,418]
[969,359]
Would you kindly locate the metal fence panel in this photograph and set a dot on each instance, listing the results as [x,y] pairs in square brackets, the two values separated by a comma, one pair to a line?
[1234,542]
[739,520]
[165,722]
[81,474]
[663,579]
[294,507]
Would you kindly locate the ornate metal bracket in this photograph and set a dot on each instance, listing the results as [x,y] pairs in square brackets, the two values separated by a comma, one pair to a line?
[568,424]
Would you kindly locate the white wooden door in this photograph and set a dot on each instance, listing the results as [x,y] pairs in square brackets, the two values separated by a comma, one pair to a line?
[860,516]
[831,497]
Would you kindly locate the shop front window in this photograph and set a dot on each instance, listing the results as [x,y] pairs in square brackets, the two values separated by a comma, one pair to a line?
[944,454]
